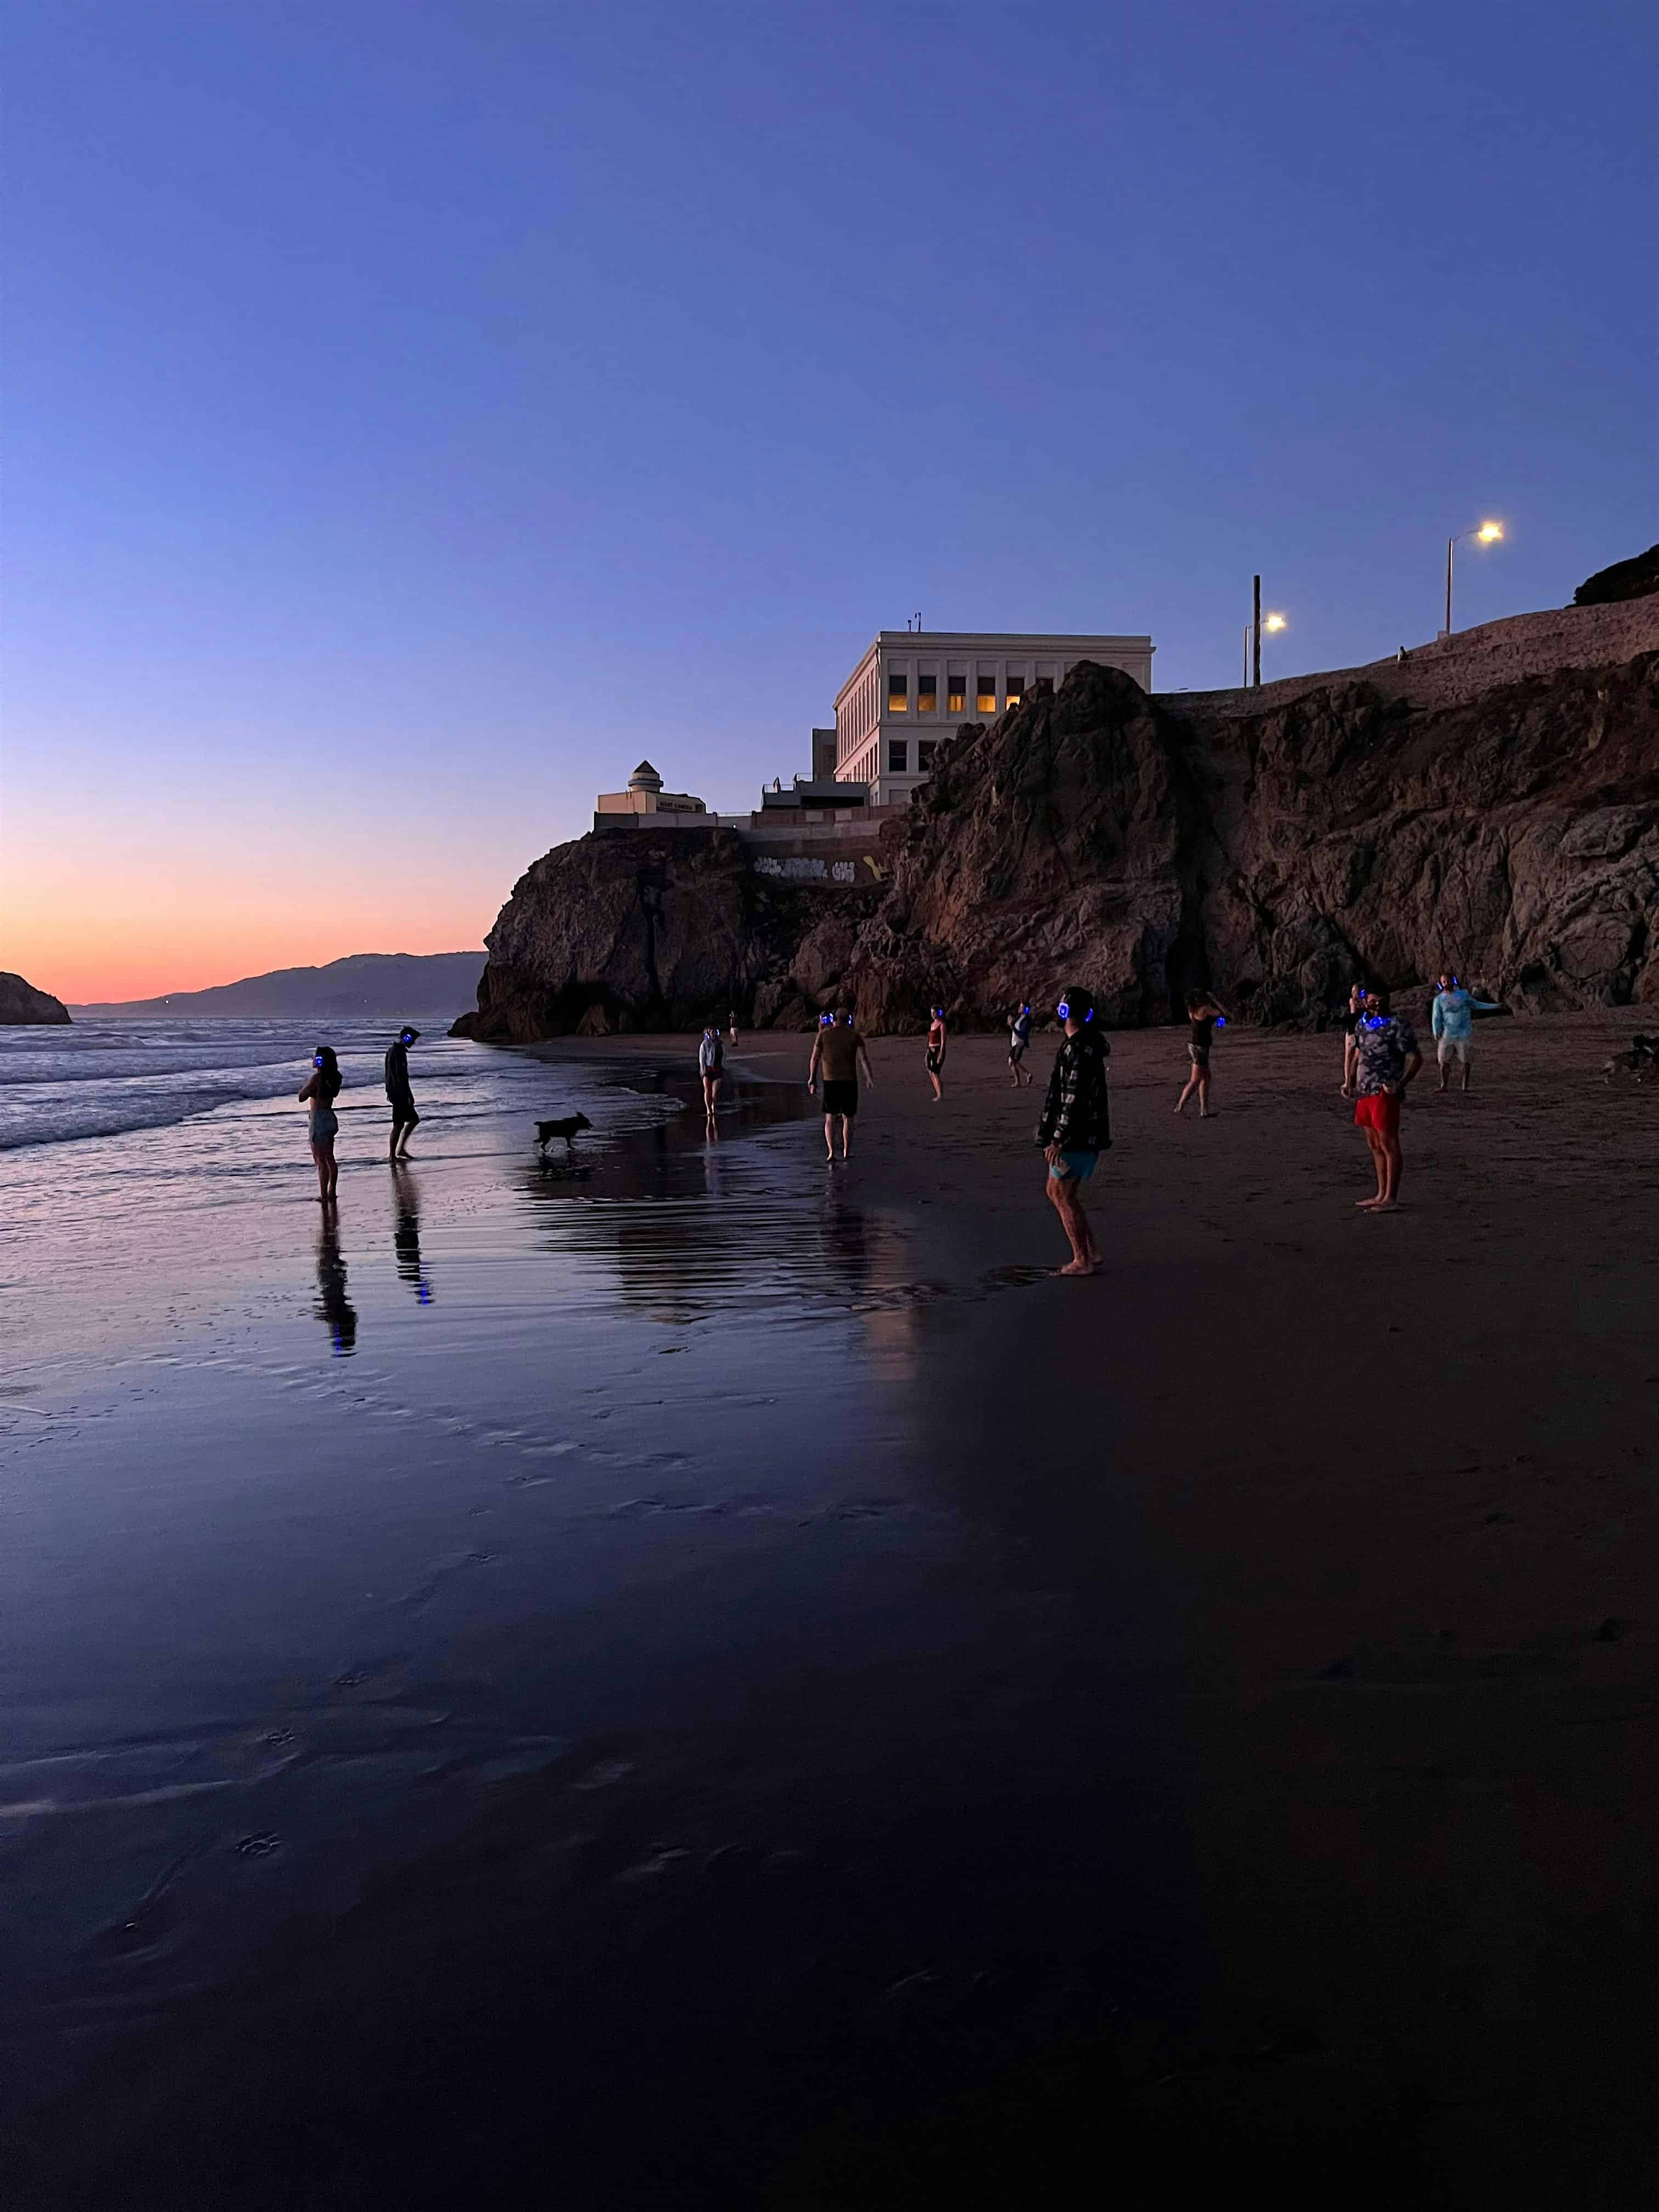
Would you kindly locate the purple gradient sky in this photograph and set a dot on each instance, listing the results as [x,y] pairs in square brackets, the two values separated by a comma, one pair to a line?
[414,414]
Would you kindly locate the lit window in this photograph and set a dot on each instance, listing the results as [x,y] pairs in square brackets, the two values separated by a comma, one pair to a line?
[927,694]
[955,694]
[898,695]
[898,755]
[925,753]
[987,693]
[1016,690]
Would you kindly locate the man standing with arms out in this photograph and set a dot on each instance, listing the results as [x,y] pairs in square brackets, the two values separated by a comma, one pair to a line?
[1381,1060]
[1075,1126]
[1019,1035]
[403,1116]
[836,1052]
[1452,1019]
[711,1065]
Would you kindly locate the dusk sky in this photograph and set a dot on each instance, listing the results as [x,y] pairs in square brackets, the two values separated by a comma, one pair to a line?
[415,414]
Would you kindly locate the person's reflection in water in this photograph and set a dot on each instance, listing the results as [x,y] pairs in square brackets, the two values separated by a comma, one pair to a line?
[333,1306]
[845,1243]
[407,1237]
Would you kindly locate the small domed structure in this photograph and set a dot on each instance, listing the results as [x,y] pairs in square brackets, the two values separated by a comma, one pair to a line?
[645,778]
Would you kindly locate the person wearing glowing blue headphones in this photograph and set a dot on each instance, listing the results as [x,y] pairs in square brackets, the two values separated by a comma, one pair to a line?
[1381,1063]
[838,1050]
[403,1116]
[323,1086]
[1075,1127]
[1204,1013]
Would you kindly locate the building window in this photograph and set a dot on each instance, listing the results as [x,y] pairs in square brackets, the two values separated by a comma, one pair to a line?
[898,695]
[1016,690]
[987,693]
[925,753]
[955,694]
[898,755]
[927,694]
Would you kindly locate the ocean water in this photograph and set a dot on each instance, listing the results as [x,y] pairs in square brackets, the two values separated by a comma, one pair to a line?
[292,1500]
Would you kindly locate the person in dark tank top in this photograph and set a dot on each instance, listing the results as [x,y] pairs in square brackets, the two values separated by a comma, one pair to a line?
[1203,1012]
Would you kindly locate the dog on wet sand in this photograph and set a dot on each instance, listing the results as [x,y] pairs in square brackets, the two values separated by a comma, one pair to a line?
[1641,1060]
[546,1131]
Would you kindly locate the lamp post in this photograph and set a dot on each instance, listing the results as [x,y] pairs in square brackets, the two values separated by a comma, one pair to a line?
[1253,630]
[1484,533]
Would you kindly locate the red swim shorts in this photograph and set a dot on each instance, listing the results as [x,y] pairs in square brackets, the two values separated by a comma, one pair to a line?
[1381,1112]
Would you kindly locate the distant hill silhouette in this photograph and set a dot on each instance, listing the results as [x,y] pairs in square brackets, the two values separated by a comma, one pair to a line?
[363,985]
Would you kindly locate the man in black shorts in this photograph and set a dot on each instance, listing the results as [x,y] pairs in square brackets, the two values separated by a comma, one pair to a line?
[403,1116]
[836,1052]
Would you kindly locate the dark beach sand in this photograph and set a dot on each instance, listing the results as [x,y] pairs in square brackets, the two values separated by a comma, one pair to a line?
[1202,1729]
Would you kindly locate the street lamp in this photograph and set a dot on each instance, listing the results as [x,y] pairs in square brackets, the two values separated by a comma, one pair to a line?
[1484,533]
[1253,636]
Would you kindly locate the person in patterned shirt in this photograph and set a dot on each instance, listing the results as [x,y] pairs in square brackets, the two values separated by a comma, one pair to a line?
[1380,1059]
[1075,1126]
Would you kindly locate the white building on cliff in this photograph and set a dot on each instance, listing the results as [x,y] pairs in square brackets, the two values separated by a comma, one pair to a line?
[913,687]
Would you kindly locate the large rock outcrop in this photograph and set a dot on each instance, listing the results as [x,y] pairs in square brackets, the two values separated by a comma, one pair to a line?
[663,930]
[20,1002]
[1490,801]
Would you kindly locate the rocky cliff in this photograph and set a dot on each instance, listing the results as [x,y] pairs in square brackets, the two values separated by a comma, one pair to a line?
[20,1002]
[1492,802]
[659,931]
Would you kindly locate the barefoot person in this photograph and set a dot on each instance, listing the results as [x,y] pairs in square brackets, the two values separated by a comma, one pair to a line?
[1382,1060]
[938,1037]
[322,1088]
[837,1051]
[711,1065]
[403,1116]
[1019,1037]
[1203,1012]
[1075,1126]
[1451,1018]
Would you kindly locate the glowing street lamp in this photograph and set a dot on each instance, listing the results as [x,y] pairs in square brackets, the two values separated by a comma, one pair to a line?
[1484,533]
[1253,630]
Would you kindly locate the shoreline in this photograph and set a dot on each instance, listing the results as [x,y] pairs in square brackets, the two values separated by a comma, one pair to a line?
[1212,1701]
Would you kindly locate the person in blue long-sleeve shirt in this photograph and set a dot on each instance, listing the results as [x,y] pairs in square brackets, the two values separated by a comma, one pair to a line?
[1452,1019]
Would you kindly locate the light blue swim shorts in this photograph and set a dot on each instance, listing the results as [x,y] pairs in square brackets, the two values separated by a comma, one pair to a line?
[1074,1167]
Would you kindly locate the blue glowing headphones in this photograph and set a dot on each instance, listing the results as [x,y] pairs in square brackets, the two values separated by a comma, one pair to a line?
[1221,1021]
[826,1021]
[407,1037]
[846,1014]
[317,1058]
[938,1013]
[1065,1012]
[1375,1020]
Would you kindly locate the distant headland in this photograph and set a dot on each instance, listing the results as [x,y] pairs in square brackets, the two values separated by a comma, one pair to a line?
[20,1003]
[360,987]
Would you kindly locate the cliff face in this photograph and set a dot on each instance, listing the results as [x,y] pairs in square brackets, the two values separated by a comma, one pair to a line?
[1272,845]
[643,930]
[20,1002]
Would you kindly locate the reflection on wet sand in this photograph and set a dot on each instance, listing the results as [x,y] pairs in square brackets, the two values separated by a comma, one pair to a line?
[406,1236]
[334,1307]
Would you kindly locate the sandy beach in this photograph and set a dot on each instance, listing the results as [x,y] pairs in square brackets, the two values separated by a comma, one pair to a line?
[963,1724]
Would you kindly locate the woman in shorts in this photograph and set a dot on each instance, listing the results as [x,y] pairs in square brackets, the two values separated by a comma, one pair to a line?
[323,1087]
[1203,1012]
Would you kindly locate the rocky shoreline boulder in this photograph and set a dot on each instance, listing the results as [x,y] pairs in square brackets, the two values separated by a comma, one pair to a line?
[20,1003]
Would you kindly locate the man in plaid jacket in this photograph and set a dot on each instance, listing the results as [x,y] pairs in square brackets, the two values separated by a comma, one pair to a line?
[1075,1126]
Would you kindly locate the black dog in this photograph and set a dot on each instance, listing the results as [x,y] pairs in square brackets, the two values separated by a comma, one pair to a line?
[546,1131]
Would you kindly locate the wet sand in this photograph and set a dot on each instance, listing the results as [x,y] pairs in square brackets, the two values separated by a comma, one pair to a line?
[1199,1715]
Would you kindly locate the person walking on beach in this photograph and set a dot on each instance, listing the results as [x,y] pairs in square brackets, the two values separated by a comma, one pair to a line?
[323,1086]
[711,1065]
[1451,1018]
[837,1050]
[1382,1060]
[1019,1035]
[403,1116]
[938,1037]
[731,1024]
[1075,1127]
[1203,1012]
